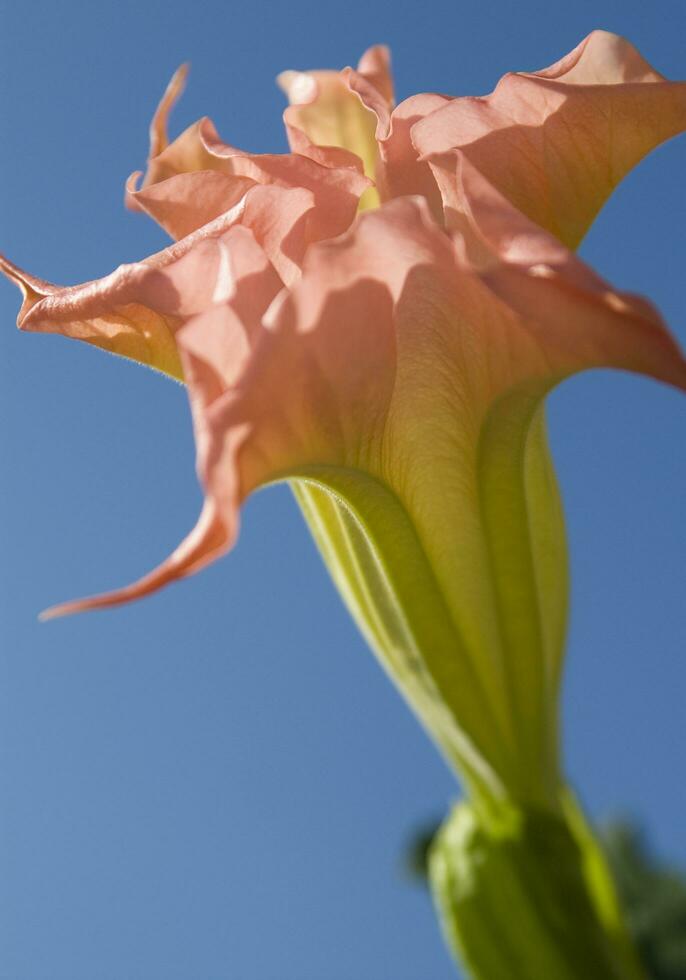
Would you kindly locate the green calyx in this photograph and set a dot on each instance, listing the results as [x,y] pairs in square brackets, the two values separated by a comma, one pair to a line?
[526,894]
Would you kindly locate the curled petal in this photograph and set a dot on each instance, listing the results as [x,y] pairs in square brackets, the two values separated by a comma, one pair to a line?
[136,311]
[373,97]
[557,142]
[285,223]
[396,339]
[283,220]
[103,313]
[198,175]
[214,348]
[185,202]
[186,152]
[336,190]
[375,67]
[578,319]
[348,109]
[401,171]
[32,288]
[207,541]
[188,201]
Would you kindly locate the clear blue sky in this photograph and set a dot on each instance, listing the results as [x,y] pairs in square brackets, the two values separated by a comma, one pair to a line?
[217,782]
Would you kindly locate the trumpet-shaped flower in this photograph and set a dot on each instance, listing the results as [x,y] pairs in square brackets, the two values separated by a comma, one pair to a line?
[377,317]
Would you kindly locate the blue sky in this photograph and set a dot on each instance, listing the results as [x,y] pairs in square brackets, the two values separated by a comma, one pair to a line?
[218,782]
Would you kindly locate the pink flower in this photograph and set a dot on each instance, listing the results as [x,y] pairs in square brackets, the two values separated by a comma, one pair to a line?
[377,317]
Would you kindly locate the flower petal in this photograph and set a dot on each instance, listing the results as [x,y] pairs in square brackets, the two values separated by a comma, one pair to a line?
[214,348]
[392,336]
[347,109]
[336,189]
[185,202]
[401,171]
[573,314]
[558,141]
[190,152]
[183,190]
[136,311]
[283,220]
[375,67]
[103,313]
[334,177]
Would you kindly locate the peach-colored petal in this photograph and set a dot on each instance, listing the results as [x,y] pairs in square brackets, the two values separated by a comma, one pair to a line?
[371,97]
[214,347]
[282,219]
[558,141]
[136,311]
[284,222]
[183,205]
[401,172]
[102,313]
[574,315]
[375,67]
[285,219]
[32,288]
[208,540]
[189,151]
[349,110]
[182,190]
[185,202]
[336,190]
[387,358]
[224,342]
[185,154]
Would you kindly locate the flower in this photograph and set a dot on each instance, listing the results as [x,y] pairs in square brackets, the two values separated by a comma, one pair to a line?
[376,317]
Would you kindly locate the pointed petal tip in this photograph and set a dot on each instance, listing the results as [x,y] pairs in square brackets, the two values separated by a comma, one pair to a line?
[376,60]
[131,188]
[132,181]
[63,609]
[104,600]
[73,606]
[32,288]
[376,53]
[13,272]
[177,82]
[52,612]
[375,66]
[91,604]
